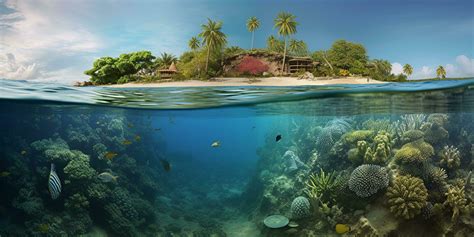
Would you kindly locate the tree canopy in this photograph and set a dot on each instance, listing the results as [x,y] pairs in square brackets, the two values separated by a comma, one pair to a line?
[348,56]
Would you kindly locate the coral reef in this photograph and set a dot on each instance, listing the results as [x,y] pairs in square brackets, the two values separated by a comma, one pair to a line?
[300,208]
[406,196]
[456,200]
[323,185]
[450,157]
[366,180]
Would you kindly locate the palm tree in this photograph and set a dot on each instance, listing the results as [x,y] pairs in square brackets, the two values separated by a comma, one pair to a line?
[212,37]
[298,47]
[440,72]
[271,43]
[286,24]
[408,69]
[194,43]
[165,60]
[252,25]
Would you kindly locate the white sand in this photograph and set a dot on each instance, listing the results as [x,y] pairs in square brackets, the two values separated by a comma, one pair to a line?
[270,81]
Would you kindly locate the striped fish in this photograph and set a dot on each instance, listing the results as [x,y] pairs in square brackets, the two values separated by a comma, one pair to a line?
[54,183]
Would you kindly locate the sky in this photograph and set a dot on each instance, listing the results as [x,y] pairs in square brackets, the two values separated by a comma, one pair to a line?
[56,40]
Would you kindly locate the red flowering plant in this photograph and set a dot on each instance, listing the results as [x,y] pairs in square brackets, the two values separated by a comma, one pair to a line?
[252,66]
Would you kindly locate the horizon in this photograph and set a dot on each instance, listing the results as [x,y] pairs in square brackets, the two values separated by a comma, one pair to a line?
[57,41]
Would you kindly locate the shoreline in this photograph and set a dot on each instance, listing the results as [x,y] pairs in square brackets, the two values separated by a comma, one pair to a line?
[241,81]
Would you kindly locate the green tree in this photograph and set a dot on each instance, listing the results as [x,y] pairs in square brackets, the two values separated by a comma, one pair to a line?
[298,47]
[194,44]
[326,68]
[212,37]
[348,56]
[379,69]
[274,45]
[253,24]
[407,69]
[165,60]
[440,72]
[286,24]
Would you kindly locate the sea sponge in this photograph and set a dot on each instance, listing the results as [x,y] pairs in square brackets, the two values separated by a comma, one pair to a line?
[367,180]
[450,157]
[406,196]
[456,199]
[300,208]
[79,168]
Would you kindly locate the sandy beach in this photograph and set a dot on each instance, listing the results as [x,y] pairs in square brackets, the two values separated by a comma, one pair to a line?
[269,81]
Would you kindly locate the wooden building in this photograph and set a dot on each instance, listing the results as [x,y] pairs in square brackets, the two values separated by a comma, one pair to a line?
[168,73]
[296,64]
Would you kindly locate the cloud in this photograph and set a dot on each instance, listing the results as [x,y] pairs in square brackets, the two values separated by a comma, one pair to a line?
[39,36]
[11,69]
[463,66]
[397,68]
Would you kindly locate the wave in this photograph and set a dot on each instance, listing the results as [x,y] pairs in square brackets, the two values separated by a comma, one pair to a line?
[211,97]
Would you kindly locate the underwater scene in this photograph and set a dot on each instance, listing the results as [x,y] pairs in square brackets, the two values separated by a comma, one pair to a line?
[392,159]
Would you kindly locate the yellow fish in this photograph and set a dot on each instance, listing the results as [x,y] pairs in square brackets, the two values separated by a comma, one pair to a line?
[23,152]
[138,138]
[4,174]
[342,228]
[110,155]
[216,144]
[126,142]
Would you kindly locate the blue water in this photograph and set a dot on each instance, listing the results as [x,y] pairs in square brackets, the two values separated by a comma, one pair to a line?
[209,191]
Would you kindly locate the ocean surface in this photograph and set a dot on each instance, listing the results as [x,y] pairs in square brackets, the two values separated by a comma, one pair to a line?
[217,161]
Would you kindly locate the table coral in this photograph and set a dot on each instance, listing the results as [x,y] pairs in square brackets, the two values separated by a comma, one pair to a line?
[406,196]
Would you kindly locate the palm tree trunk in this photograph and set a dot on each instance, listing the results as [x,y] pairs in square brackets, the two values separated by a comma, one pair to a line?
[284,57]
[253,34]
[207,58]
[330,66]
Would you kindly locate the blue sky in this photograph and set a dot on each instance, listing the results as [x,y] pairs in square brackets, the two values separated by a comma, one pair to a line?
[57,40]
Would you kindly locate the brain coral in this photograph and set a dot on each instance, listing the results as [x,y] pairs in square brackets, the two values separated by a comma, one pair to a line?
[367,180]
[300,208]
[407,196]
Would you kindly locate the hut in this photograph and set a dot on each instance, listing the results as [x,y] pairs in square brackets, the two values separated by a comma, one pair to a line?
[297,64]
[168,73]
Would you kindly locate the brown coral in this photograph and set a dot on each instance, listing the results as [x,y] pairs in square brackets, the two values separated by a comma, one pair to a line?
[450,157]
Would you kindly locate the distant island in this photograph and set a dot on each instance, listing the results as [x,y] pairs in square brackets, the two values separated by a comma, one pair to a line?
[211,58]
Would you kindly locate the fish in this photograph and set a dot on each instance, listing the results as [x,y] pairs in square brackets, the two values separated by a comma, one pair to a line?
[54,183]
[166,165]
[278,138]
[4,174]
[138,138]
[216,144]
[23,152]
[127,142]
[110,155]
[342,228]
[107,177]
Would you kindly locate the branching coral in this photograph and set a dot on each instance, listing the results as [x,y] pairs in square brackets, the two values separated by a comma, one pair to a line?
[409,122]
[406,196]
[450,157]
[379,125]
[456,199]
[366,180]
[376,150]
[323,185]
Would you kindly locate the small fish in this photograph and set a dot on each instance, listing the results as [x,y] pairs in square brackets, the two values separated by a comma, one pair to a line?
[278,138]
[107,177]
[157,129]
[4,174]
[216,144]
[166,165]
[138,138]
[342,228]
[110,155]
[54,183]
[127,142]
[23,152]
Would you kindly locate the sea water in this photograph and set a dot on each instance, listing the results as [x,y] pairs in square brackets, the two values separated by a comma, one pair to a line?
[207,161]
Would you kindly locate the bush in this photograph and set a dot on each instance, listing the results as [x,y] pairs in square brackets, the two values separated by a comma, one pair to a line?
[252,66]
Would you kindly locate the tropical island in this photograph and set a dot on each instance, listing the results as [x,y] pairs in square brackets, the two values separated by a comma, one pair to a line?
[211,61]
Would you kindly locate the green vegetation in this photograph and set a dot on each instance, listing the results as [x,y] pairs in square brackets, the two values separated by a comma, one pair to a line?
[252,25]
[286,24]
[209,51]
[441,72]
